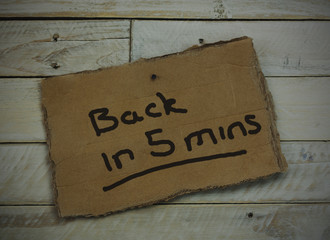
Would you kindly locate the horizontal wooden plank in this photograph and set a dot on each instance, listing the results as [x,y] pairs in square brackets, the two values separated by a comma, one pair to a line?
[285,48]
[20,110]
[69,30]
[28,48]
[44,48]
[25,177]
[207,9]
[173,222]
[302,106]
[47,58]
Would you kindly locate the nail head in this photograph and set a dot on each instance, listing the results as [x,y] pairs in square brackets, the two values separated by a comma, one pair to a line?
[56,36]
[55,65]
[153,76]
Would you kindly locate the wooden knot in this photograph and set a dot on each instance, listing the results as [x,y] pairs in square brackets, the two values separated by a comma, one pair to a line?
[55,65]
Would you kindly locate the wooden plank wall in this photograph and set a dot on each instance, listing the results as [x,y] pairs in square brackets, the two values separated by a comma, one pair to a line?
[40,39]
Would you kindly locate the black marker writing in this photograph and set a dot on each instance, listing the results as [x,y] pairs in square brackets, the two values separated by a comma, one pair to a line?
[151,142]
[152,114]
[118,154]
[199,135]
[102,117]
[232,126]
[102,122]
[135,118]
[129,117]
[106,162]
[168,105]
[222,133]
[253,123]
[173,164]
[116,158]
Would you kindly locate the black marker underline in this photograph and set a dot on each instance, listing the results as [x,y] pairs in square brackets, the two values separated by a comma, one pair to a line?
[173,164]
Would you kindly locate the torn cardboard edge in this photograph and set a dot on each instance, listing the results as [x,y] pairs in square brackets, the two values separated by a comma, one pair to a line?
[171,197]
[270,107]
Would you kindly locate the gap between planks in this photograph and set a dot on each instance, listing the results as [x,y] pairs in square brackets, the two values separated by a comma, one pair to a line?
[302,106]
[160,19]
[24,204]
[268,221]
[50,76]
[282,141]
[288,48]
[307,179]
[206,9]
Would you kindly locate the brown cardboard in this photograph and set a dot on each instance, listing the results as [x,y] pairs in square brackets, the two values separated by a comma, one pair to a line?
[206,112]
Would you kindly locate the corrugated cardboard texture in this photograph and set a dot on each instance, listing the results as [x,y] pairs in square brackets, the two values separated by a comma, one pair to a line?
[143,132]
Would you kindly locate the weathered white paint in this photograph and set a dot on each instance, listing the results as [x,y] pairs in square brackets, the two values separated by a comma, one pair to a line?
[38,58]
[302,106]
[207,9]
[293,48]
[174,222]
[20,104]
[284,48]
[30,49]
[69,30]
[25,177]
[27,48]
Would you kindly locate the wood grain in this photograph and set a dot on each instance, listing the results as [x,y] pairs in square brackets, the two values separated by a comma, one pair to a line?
[302,106]
[68,30]
[285,48]
[305,221]
[191,9]
[293,49]
[20,110]
[28,48]
[25,178]
[45,48]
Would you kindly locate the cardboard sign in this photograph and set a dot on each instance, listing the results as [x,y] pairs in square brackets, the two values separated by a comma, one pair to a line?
[145,132]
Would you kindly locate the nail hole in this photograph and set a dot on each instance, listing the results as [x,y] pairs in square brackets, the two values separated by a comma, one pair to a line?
[201,40]
[153,76]
[55,65]
[250,215]
[56,36]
